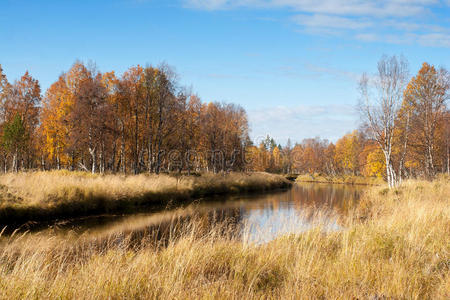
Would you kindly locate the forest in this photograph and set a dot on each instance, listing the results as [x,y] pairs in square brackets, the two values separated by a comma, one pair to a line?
[139,122]
[144,121]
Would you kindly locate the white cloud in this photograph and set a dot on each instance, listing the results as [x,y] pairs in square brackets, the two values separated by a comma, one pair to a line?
[367,37]
[208,4]
[326,21]
[302,122]
[340,7]
[390,21]
[434,39]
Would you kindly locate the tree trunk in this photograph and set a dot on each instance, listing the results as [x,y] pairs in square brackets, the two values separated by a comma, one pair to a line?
[430,162]
[401,168]
[42,162]
[122,150]
[113,157]
[15,164]
[93,158]
[390,172]
[150,156]
[102,158]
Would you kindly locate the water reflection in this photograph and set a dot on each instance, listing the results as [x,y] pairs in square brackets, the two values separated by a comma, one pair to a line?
[299,209]
[251,218]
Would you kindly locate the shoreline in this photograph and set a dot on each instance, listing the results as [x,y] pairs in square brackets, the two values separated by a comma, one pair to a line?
[350,180]
[343,183]
[65,195]
[34,227]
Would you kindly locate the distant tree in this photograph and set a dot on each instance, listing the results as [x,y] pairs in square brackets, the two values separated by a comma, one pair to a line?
[288,159]
[330,165]
[347,153]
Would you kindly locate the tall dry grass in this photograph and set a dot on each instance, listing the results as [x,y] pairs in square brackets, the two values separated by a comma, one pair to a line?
[57,194]
[340,179]
[395,245]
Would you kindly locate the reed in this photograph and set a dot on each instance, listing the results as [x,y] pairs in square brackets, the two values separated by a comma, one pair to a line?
[340,179]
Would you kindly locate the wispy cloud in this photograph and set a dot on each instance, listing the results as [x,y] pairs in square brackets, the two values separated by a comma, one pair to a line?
[340,7]
[327,21]
[393,21]
[310,70]
[302,122]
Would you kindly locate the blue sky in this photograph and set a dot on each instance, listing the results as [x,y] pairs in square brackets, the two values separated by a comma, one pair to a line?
[292,64]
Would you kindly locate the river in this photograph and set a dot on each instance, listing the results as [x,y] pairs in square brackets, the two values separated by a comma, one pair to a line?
[255,218]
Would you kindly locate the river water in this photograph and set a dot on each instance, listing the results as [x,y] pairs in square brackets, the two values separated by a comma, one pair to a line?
[254,218]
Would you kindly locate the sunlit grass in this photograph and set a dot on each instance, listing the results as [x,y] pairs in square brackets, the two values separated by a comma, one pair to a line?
[340,179]
[395,245]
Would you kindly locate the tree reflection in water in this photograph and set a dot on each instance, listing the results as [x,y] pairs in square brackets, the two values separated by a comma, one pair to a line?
[250,218]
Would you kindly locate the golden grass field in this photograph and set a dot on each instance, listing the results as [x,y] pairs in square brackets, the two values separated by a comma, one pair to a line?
[395,245]
[340,179]
[41,196]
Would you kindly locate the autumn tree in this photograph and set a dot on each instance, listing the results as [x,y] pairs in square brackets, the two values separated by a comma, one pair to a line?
[55,126]
[91,115]
[192,133]
[24,100]
[347,153]
[329,154]
[115,123]
[374,161]
[425,99]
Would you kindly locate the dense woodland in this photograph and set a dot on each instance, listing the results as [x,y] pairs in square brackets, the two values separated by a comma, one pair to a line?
[139,122]
[144,121]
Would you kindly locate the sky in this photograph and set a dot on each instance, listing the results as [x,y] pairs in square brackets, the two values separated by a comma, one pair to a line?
[293,65]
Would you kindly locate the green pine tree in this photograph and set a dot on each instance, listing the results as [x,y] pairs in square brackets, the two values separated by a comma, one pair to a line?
[14,139]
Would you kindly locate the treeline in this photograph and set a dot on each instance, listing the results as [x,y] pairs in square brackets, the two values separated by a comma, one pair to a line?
[405,131]
[353,154]
[142,121]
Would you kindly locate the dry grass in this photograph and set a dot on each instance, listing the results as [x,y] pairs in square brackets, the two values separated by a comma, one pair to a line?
[396,245]
[340,179]
[47,195]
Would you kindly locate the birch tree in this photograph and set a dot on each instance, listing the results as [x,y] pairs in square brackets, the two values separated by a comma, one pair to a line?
[380,101]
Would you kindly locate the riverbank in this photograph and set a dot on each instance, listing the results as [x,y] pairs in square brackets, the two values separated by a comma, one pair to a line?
[43,196]
[395,245]
[341,179]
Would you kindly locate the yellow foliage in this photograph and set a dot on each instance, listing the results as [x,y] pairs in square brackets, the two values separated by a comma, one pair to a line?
[375,165]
